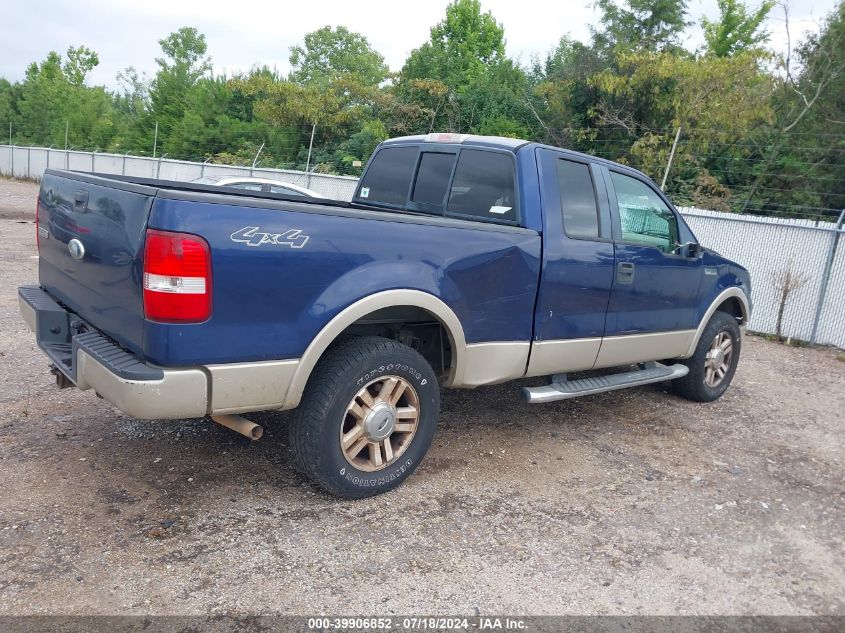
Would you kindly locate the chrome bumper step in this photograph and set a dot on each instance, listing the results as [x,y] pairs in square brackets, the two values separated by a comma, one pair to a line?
[561,388]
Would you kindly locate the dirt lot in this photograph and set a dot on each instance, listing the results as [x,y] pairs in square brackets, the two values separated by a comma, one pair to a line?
[634,502]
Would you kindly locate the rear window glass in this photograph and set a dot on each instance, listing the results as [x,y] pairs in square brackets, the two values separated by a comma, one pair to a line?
[433,178]
[388,178]
[483,186]
[577,199]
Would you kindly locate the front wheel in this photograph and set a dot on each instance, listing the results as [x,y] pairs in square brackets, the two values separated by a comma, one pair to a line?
[367,417]
[712,366]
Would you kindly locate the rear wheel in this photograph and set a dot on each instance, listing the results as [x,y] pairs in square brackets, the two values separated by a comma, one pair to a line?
[367,417]
[712,366]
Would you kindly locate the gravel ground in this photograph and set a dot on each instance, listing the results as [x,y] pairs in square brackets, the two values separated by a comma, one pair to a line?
[633,502]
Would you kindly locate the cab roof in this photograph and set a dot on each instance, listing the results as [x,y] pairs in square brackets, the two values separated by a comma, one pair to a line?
[502,143]
[447,138]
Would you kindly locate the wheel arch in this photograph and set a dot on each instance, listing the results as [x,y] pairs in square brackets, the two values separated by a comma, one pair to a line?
[732,301]
[354,313]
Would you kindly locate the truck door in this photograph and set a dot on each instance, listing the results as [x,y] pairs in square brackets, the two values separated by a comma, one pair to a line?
[654,302]
[578,264]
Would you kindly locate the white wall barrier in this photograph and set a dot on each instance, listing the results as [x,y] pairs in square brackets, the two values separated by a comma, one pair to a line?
[771,247]
[31,162]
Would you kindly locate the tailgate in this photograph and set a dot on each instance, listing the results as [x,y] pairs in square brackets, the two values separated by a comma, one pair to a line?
[91,232]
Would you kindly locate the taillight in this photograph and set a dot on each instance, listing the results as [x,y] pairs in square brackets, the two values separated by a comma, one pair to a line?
[177,277]
[37,237]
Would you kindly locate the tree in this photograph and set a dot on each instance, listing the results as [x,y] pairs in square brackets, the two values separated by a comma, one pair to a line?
[653,25]
[737,29]
[185,55]
[563,99]
[335,110]
[81,60]
[7,101]
[462,77]
[184,62]
[330,54]
[53,100]
[461,48]
[802,161]
[716,100]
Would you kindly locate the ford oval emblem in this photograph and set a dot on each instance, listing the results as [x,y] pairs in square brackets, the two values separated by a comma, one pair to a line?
[76,249]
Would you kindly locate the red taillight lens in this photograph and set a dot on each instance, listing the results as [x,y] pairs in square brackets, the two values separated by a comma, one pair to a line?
[177,277]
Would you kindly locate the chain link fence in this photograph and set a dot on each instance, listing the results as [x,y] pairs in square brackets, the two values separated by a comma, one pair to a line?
[805,255]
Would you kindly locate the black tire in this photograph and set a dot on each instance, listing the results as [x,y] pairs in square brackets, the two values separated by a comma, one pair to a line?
[315,433]
[693,385]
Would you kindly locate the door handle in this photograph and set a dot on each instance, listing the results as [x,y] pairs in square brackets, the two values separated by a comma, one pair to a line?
[625,272]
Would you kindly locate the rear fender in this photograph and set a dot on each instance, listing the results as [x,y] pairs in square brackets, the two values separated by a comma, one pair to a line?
[365,306]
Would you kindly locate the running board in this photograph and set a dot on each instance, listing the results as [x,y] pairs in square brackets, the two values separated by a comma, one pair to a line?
[561,388]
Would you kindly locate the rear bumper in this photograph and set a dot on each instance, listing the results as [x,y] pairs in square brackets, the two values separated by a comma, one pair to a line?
[91,361]
[179,393]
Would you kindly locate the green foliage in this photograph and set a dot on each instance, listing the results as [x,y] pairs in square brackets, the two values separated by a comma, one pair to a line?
[714,100]
[653,25]
[81,60]
[183,64]
[360,146]
[53,99]
[737,29]
[462,78]
[461,49]
[803,164]
[328,55]
[758,134]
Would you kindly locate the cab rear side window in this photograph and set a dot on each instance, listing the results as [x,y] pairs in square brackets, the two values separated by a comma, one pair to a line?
[433,176]
[483,186]
[577,200]
[388,178]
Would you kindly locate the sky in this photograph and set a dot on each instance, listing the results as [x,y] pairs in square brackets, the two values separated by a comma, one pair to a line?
[260,32]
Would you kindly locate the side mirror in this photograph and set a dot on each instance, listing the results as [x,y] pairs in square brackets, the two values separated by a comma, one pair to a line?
[693,250]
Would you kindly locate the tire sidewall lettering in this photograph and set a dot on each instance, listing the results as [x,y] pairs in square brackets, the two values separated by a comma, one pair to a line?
[409,371]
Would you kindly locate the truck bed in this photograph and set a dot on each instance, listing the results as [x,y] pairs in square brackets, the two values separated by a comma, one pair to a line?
[270,298]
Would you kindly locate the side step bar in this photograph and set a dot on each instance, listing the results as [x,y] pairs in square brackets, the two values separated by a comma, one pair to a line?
[561,388]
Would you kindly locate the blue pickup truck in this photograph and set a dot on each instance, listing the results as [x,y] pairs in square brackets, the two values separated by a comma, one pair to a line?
[460,261]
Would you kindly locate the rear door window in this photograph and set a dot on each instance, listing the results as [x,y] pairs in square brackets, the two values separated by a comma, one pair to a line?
[388,177]
[483,186]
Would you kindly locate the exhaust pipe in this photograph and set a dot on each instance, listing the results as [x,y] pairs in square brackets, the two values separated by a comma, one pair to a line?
[240,425]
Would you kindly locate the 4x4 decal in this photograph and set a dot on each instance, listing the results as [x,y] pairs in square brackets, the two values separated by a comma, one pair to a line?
[253,236]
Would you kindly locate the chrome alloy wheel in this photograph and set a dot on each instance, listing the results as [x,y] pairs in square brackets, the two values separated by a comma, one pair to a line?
[718,359]
[379,423]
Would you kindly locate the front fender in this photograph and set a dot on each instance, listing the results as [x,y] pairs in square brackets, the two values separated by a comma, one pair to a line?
[722,296]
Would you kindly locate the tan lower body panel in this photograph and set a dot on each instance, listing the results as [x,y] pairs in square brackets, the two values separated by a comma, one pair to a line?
[557,357]
[638,348]
[258,386]
[492,363]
